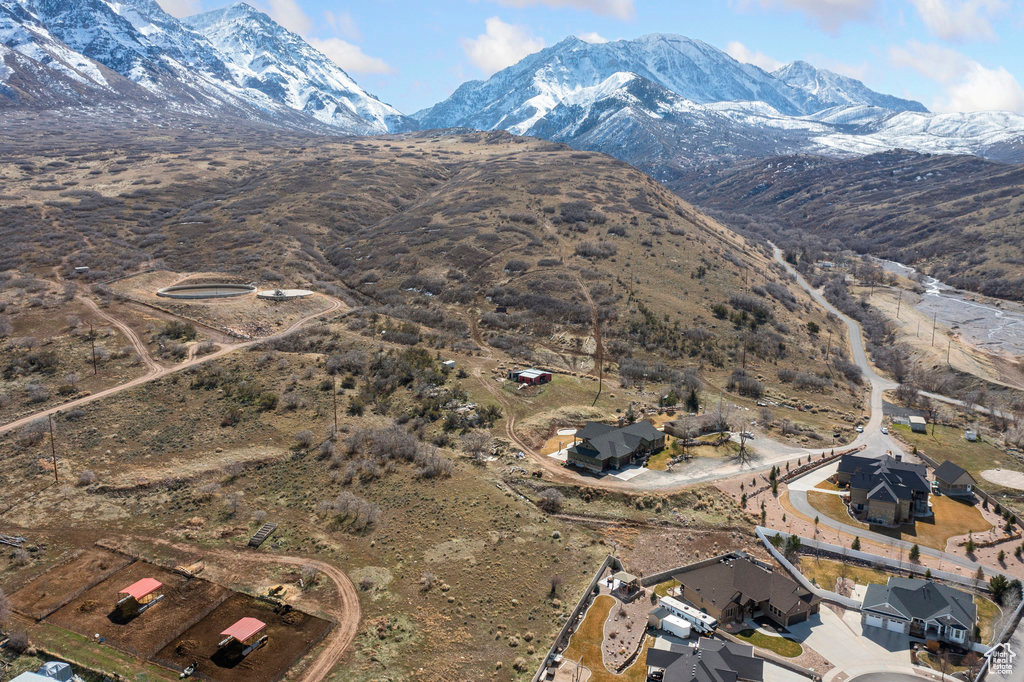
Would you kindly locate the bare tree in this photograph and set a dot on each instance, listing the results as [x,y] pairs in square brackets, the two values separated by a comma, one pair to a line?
[310,573]
[6,608]
[478,445]
[556,582]
[233,501]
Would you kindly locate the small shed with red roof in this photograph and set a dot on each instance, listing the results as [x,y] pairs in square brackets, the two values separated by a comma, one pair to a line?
[242,632]
[139,596]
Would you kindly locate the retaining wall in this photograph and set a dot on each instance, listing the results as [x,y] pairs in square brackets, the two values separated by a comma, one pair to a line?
[573,620]
[844,553]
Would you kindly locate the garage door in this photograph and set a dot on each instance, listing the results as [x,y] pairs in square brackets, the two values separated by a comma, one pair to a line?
[873,621]
[896,626]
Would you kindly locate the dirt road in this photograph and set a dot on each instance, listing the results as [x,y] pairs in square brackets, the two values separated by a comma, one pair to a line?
[152,365]
[160,371]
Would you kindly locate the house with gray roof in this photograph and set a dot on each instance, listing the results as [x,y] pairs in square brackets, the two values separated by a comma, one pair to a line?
[921,608]
[602,447]
[885,490]
[954,480]
[712,660]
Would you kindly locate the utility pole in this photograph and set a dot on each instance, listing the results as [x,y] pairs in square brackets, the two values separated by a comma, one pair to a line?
[918,332]
[935,319]
[334,398]
[898,302]
[92,339]
[948,346]
[53,452]
[829,347]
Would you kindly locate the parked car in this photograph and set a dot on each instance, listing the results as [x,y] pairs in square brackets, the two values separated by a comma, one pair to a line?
[885,430]
[860,429]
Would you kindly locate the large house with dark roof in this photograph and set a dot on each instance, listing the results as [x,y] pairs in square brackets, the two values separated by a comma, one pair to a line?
[738,586]
[920,608]
[885,490]
[711,660]
[600,447]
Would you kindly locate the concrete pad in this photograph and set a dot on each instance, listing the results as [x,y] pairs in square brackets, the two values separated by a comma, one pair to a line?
[858,592]
[562,455]
[776,673]
[1004,477]
[629,473]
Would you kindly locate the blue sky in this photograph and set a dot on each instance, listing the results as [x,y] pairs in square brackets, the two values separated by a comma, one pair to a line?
[952,55]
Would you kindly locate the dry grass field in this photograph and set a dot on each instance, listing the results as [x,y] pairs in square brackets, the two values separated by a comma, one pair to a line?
[487,249]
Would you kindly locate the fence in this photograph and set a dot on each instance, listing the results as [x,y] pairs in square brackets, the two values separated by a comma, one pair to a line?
[874,560]
[817,463]
[569,627]
[992,501]
[661,577]
[826,595]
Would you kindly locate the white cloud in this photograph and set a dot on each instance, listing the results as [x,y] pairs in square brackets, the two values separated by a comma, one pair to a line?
[959,19]
[592,37]
[290,15]
[967,85]
[829,14]
[502,45]
[344,24]
[181,8]
[742,53]
[621,9]
[350,57]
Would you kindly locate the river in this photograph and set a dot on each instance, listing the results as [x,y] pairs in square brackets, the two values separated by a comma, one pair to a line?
[995,329]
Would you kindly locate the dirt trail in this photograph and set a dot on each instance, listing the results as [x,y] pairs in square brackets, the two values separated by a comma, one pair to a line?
[335,304]
[152,365]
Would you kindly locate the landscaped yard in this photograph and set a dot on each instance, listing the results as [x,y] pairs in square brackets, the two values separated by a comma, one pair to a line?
[988,614]
[827,485]
[951,518]
[825,572]
[659,461]
[945,442]
[780,645]
[586,642]
[661,589]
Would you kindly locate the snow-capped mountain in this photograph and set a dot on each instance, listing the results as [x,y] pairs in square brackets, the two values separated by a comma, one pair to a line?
[833,89]
[664,101]
[36,69]
[267,57]
[256,76]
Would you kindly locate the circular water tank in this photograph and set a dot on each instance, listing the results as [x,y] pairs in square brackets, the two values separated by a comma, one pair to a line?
[214,290]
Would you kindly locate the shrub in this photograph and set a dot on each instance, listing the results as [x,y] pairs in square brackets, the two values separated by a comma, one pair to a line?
[596,249]
[551,500]
[87,477]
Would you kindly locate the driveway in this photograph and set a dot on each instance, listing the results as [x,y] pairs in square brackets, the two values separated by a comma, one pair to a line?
[851,648]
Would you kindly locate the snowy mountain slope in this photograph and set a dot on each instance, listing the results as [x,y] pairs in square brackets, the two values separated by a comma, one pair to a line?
[689,104]
[36,69]
[834,89]
[267,57]
[185,70]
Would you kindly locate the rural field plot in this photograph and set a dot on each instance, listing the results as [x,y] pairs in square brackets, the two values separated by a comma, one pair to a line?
[55,588]
[289,636]
[185,601]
